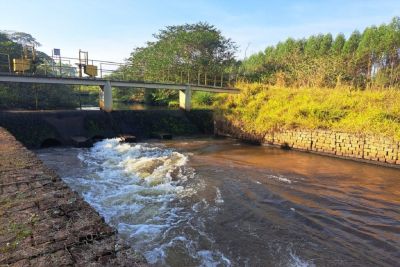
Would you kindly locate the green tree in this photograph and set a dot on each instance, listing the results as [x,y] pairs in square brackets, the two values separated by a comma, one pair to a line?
[370,59]
[189,53]
[338,44]
[367,51]
[29,96]
[326,44]
[23,38]
[351,45]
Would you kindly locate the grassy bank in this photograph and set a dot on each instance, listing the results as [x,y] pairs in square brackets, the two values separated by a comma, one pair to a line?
[261,108]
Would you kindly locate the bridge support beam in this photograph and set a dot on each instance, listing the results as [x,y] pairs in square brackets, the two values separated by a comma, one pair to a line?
[148,97]
[185,98]
[106,97]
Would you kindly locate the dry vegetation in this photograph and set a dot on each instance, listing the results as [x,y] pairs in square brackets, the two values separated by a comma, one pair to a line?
[261,108]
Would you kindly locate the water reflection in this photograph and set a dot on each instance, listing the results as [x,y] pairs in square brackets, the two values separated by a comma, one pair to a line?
[128,106]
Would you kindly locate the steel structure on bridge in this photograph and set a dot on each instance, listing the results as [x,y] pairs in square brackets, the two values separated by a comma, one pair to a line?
[185,90]
[69,67]
[82,71]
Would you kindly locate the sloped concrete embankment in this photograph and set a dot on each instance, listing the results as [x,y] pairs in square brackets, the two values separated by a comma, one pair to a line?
[44,223]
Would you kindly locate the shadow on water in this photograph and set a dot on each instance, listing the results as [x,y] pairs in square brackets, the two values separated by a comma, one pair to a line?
[50,142]
[129,106]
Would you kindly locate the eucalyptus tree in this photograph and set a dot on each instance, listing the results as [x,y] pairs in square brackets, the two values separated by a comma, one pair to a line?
[338,44]
[371,58]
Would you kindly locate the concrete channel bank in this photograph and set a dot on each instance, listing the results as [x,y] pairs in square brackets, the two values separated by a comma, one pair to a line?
[359,147]
[44,223]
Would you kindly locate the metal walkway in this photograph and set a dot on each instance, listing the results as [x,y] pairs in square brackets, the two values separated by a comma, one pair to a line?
[5,77]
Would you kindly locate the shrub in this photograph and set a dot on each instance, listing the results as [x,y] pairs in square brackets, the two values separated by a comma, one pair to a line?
[173,104]
[203,98]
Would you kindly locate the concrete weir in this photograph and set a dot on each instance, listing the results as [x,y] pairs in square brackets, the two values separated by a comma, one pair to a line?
[44,223]
[37,129]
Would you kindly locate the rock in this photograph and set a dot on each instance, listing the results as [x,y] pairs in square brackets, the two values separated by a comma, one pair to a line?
[128,139]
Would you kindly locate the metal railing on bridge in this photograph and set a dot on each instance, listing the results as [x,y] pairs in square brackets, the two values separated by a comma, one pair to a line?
[68,67]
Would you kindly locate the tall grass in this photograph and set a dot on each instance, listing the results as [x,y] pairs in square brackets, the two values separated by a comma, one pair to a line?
[261,108]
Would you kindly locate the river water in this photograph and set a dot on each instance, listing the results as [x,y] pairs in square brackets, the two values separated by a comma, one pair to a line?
[218,202]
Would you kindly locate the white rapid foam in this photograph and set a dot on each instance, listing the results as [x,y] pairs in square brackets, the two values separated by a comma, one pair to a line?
[280,178]
[140,189]
[296,261]
[218,198]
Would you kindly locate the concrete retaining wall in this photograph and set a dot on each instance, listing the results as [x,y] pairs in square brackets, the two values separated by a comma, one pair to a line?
[357,146]
[33,128]
[366,147]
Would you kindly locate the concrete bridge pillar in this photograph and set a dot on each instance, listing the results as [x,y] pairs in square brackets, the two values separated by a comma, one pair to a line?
[148,97]
[106,97]
[185,98]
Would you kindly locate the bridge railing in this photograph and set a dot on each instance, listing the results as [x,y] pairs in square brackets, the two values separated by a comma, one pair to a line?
[72,67]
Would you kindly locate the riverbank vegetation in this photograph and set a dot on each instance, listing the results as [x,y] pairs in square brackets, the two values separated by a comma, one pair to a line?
[261,108]
[350,85]
[370,59]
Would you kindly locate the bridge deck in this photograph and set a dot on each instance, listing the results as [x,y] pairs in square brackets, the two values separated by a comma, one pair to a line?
[114,83]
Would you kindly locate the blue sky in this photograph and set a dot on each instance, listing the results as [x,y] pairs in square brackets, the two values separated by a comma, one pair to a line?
[110,30]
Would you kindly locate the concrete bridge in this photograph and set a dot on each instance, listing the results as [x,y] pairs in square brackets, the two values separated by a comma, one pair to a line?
[185,90]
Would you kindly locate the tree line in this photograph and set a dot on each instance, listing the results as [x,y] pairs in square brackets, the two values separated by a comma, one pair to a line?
[363,60]
[25,95]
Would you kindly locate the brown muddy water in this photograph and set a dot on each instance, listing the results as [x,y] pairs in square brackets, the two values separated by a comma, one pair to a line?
[208,202]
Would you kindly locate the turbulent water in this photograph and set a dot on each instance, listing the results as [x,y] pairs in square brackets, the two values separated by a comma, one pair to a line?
[222,203]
